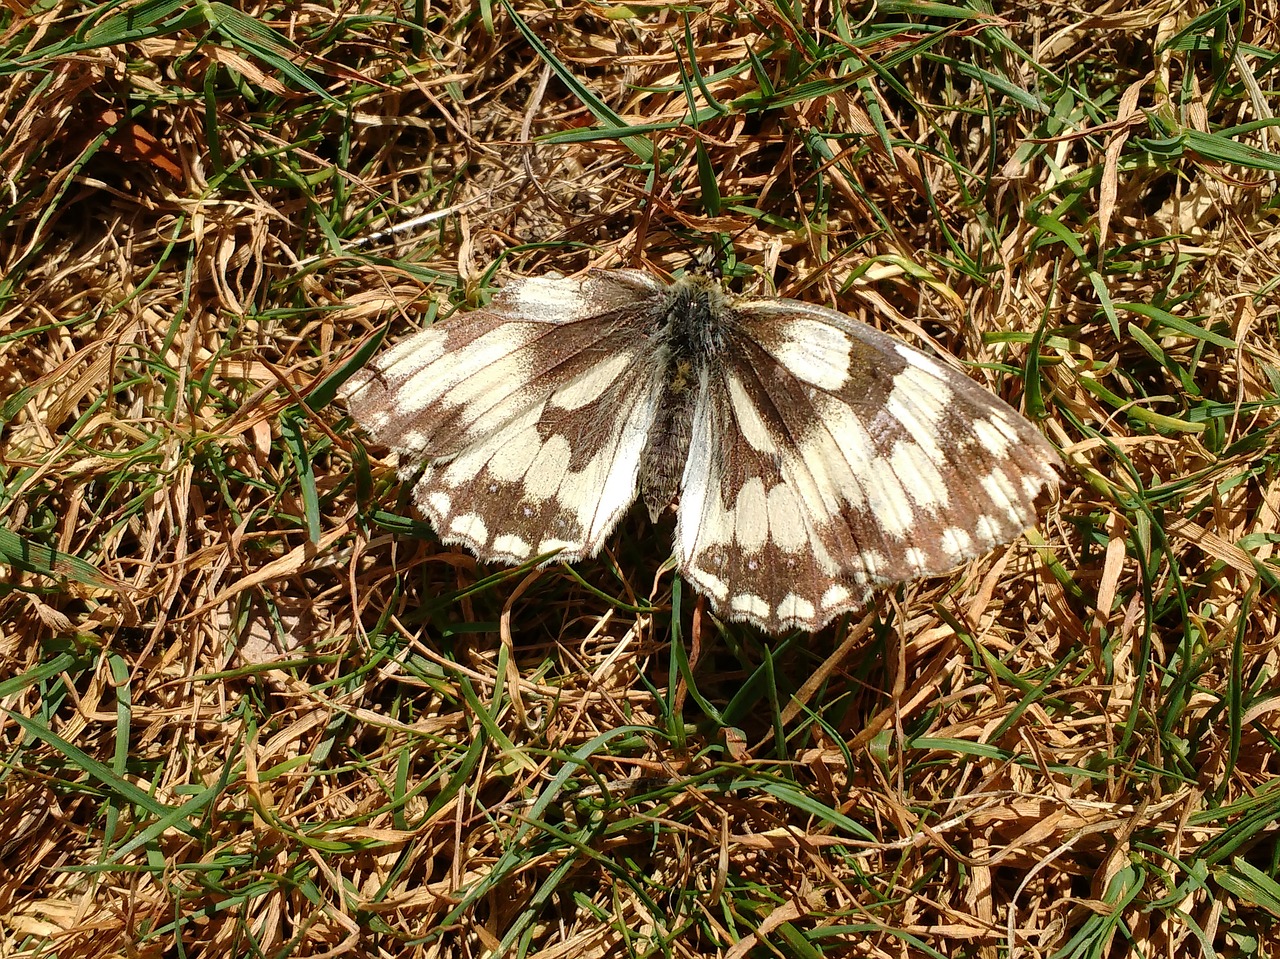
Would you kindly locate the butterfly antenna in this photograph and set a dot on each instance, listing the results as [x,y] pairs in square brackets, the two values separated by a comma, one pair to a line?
[706,261]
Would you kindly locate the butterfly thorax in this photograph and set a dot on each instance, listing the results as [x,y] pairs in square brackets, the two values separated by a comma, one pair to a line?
[690,335]
[692,327]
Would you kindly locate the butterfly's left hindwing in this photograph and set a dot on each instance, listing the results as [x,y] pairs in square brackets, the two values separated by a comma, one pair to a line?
[533,414]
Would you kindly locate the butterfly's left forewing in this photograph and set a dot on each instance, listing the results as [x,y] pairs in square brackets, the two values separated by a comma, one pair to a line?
[531,414]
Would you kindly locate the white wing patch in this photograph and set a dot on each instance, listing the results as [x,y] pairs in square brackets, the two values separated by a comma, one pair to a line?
[815,352]
[542,299]
[752,426]
[589,389]
[919,403]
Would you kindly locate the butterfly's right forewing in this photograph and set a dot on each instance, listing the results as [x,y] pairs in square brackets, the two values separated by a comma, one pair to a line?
[828,459]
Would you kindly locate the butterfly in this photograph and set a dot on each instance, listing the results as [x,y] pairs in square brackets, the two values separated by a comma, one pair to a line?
[809,457]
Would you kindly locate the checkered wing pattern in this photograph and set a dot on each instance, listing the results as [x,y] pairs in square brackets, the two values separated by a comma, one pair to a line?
[810,458]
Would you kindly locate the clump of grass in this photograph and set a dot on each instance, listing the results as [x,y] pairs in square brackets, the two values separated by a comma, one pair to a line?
[251,706]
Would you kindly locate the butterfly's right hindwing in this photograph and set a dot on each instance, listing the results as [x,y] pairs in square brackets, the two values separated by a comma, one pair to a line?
[836,459]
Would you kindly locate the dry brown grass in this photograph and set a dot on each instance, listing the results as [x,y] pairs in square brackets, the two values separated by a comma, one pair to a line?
[249,714]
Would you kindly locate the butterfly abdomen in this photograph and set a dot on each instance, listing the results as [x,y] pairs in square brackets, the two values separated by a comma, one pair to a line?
[688,339]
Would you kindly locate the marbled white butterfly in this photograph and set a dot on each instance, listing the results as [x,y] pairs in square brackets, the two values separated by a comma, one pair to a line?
[810,457]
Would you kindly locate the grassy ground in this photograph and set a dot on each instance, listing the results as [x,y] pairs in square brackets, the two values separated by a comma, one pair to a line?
[253,709]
